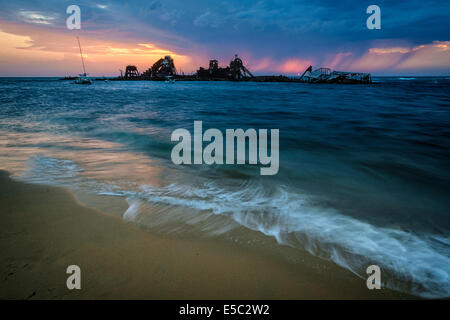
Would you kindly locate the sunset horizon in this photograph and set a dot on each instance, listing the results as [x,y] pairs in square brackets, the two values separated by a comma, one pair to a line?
[36,42]
[225,154]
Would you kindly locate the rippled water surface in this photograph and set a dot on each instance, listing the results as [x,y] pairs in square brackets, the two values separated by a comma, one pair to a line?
[364,169]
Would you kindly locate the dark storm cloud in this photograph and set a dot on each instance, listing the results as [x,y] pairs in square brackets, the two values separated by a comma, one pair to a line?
[264,28]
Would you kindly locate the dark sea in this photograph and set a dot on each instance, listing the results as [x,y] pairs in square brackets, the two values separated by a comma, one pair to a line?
[364,169]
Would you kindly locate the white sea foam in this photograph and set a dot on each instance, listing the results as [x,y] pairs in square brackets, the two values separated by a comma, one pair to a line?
[132,211]
[47,170]
[416,263]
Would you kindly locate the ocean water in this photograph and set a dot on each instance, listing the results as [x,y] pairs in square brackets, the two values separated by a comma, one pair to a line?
[364,169]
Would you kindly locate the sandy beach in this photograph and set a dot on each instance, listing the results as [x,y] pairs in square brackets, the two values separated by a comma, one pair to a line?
[224,150]
[44,229]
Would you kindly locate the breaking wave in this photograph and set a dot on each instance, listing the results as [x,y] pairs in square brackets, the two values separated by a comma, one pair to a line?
[411,262]
[419,263]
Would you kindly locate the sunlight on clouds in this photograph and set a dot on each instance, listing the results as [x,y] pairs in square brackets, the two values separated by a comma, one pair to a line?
[442,45]
[435,55]
[261,64]
[389,50]
[102,56]
[35,17]
[15,47]
[26,50]
[337,61]
[149,46]
[376,61]
[426,56]
[119,50]
[18,55]
[289,66]
[35,48]
[294,65]
[11,41]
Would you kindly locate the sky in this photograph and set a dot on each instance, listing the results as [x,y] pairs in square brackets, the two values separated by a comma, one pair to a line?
[271,36]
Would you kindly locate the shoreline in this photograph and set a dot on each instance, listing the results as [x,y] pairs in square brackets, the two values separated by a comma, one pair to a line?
[44,229]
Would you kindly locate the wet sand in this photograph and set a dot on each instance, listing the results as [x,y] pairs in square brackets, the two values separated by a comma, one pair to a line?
[45,229]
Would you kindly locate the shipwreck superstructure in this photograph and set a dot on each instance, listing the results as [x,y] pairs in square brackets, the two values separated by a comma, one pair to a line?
[326,75]
[131,72]
[234,72]
[161,69]
[164,69]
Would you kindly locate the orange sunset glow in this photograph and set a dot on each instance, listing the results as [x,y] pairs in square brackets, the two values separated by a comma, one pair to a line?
[27,51]
[37,43]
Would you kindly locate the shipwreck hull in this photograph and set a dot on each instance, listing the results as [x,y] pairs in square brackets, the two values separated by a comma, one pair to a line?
[164,70]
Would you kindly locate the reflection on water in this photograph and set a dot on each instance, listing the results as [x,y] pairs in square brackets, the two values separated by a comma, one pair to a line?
[95,159]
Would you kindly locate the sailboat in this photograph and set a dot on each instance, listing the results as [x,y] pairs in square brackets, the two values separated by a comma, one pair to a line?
[82,78]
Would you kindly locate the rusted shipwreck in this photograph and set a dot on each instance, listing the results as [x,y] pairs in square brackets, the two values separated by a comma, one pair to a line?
[326,75]
[234,72]
[164,69]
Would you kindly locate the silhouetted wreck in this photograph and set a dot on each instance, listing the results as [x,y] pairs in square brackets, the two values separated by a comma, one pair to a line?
[234,72]
[164,69]
[326,75]
[161,70]
[131,72]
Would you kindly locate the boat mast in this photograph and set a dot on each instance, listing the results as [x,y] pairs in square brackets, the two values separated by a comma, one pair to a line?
[81,54]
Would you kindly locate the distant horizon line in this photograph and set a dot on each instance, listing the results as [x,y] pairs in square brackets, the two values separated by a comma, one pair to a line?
[266,75]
